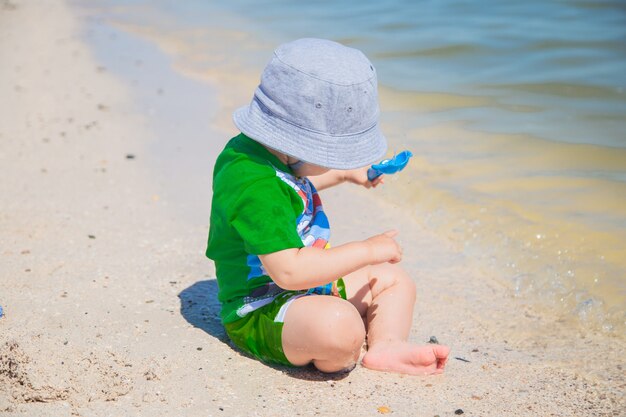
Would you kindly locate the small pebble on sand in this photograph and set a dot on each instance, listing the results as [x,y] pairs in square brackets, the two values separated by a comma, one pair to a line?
[433,340]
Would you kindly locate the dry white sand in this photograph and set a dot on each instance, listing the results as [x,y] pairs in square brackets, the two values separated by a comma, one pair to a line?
[110,305]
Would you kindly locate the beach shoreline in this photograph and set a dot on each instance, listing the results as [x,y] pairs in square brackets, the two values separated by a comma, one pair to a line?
[547,215]
[110,304]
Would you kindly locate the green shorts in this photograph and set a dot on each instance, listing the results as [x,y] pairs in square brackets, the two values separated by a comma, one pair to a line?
[259,333]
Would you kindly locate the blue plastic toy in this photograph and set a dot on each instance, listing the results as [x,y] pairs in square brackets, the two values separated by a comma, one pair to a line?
[1,312]
[389,166]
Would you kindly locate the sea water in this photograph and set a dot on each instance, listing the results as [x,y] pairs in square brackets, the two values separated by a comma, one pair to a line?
[515,112]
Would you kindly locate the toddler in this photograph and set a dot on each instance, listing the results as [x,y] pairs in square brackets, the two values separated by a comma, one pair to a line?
[287,296]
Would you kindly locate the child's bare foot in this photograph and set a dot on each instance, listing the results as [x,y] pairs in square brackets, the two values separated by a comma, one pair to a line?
[406,358]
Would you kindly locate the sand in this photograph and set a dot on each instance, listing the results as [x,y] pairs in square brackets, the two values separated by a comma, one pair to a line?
[110,306]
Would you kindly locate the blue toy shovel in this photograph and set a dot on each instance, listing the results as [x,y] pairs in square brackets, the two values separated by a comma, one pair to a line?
[389,166]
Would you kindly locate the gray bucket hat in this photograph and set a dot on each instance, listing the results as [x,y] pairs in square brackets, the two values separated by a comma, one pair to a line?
[318,102]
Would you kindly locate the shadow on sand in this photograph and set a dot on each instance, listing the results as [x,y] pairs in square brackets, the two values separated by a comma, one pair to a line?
[200,307]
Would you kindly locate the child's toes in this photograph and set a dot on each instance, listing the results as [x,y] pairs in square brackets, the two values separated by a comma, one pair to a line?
[441,351]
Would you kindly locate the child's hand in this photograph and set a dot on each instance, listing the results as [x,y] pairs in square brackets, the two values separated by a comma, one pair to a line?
[359,177]
[384,248]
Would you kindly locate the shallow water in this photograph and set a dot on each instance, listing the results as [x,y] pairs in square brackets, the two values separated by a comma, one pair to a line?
[515,112]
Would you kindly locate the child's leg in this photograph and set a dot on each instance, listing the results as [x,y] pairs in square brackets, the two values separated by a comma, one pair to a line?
[325,330]
[384,294]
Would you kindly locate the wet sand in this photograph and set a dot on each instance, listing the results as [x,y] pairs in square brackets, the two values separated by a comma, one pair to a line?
[110,305]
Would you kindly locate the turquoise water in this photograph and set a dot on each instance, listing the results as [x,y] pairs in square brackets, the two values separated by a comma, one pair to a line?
[562,62]
[515,111]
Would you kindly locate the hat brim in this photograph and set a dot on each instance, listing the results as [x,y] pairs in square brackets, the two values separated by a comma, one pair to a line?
[329,151]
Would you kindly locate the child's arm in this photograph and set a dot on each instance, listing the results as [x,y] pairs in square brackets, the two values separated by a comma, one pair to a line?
[309,267]
[337,176]
[328,179]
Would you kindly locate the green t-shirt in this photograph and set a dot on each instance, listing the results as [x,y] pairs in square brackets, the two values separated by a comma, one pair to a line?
[258,207]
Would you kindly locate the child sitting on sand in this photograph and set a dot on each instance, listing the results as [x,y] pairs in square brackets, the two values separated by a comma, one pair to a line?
[287,297]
